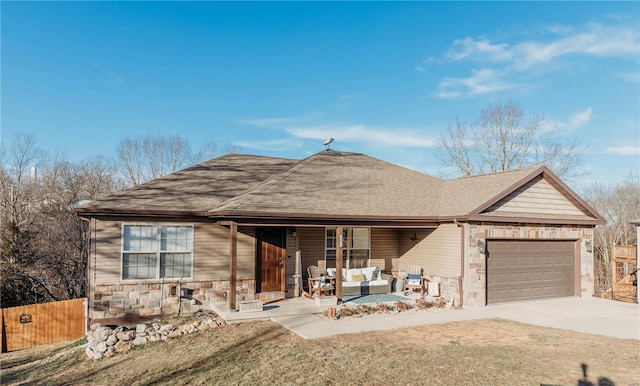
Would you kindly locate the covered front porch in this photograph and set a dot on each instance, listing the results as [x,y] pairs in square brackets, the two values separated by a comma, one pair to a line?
[282,253]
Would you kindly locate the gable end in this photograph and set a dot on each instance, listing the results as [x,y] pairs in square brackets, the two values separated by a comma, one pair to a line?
[539,198]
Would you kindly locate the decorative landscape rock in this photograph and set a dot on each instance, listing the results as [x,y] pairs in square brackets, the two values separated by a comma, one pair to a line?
[139,340]
[112,340]
[105,341]
[360,310]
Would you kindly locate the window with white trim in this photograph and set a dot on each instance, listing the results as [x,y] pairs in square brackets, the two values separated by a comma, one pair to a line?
[157,251]
[356,249]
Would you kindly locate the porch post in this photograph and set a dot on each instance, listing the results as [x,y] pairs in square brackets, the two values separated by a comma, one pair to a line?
[233,253]
[339,263]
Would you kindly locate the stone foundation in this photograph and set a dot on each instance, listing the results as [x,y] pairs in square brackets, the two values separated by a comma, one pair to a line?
[155,298]
[448,287]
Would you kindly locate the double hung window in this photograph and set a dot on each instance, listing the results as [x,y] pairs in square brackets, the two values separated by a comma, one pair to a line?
[157,251]
[356,247]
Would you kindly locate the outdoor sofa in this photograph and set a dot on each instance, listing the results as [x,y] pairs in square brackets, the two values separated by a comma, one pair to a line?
[363,281]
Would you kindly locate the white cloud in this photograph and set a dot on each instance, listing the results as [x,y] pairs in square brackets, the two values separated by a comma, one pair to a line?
[579,119]
[574,122]
[520,58]
[625,150]
[304,127]
[478,49]
[598,41]
[362,134]
[480,82]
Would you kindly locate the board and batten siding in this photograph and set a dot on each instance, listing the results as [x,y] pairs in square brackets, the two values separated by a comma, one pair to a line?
[437,251]
[538,196]
[211,252]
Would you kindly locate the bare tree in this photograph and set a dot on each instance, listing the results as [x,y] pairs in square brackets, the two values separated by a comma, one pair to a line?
[619,204]
[504,138]
[18,191]
[211,150]
[143,159]
[43,251]
[18,167]
[147,158]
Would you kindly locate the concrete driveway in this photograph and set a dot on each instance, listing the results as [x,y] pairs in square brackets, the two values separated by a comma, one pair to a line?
[588,315]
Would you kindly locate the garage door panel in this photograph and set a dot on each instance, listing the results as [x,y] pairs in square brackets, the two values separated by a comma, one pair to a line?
[527,270]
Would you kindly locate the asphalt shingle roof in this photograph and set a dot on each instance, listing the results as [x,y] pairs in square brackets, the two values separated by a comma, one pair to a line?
[198,188]
[339,183]
[326,184]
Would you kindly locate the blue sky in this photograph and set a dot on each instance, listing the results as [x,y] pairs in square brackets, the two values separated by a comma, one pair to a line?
[279,78]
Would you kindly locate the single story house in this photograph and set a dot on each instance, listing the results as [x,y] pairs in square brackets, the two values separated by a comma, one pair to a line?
[230,229]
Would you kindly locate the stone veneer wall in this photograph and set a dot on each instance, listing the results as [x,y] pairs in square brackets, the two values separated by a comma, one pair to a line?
[475,294]
[154,298]
[448,287]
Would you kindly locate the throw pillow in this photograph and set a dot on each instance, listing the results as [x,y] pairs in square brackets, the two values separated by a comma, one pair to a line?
[351,272]
[413,279]
[357,277]
[369,273]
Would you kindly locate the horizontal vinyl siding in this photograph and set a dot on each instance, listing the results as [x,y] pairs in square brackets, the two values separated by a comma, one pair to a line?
[536,197]
[438,252]
[384,247]
[311,243]
[108,247]
[246,253]
[211,251]
[211,255]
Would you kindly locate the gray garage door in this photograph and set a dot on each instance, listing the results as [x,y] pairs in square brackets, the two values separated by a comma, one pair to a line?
[527,270]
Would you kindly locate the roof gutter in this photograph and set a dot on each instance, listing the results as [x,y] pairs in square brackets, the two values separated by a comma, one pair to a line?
[462,260]
[90,212]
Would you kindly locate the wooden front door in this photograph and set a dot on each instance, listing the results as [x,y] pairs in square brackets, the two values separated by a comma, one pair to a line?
[271,259]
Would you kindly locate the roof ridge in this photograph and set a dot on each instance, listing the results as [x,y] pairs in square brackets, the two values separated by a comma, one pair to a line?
[268,183]
[532,167]
[263,185]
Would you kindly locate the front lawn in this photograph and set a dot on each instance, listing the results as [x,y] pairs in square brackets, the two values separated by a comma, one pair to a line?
[482,352]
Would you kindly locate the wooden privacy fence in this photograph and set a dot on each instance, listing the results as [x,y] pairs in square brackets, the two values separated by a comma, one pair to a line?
[37,324]
[624,263]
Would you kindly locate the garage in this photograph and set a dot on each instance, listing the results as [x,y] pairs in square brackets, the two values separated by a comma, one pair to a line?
[519,270]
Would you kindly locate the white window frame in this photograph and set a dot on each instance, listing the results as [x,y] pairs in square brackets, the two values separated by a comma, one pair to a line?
[157,251]
[347,251]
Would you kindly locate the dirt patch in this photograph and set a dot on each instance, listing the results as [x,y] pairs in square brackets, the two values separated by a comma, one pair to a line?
[482,352]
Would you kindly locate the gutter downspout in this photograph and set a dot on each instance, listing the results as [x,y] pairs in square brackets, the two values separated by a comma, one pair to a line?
[462,260]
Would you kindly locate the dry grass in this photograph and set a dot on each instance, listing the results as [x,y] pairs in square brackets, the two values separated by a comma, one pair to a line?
[485,352]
